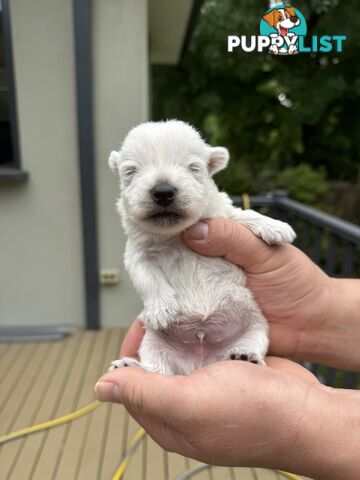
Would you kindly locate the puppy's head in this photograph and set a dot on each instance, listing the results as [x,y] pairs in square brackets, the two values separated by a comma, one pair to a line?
[165,171]
[282,18]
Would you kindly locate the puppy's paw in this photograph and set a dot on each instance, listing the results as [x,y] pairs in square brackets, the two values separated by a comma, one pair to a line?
[275,232]
[245,355]
[124,362]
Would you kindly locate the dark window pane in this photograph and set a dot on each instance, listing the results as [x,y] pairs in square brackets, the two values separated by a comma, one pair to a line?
[6,151]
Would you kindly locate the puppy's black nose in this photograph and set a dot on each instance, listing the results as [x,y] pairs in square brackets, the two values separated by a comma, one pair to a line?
[163,194]
[294,19]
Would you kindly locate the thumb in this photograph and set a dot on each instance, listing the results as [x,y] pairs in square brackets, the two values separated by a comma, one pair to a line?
[143,393]
[236,243]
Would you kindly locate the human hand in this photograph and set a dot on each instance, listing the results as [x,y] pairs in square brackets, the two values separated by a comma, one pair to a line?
[239,414]
[311,316]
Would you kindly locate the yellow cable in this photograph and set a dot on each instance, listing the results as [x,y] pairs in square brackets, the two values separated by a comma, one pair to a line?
[134,442]
[51,423]
[246,201]
[288,475]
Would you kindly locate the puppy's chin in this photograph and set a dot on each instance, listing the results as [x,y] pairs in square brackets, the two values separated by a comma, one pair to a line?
[164,219]
[166,223]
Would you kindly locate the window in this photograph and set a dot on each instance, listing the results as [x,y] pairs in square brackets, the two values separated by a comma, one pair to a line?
[9,149]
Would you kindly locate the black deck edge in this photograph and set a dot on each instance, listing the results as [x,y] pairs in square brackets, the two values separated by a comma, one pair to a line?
[35,333]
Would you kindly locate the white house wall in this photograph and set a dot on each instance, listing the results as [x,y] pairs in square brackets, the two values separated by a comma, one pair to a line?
[41,255]
[41,278]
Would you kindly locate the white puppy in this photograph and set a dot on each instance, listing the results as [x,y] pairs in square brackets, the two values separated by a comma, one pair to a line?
[197,310]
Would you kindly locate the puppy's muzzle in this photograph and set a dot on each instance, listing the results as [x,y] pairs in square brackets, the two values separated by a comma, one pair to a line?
[163,194]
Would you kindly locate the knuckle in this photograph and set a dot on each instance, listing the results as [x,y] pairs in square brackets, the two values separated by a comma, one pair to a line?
[229,229]
[222,230]
[134,397]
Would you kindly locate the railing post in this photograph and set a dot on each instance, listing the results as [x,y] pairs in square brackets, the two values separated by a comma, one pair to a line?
[277,195]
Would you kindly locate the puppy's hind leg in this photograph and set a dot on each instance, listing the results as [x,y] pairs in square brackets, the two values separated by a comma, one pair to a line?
[154,354]
[124,362]
[150,363]
[252,345]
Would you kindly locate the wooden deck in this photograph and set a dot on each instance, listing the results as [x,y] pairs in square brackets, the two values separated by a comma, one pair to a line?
[41,381]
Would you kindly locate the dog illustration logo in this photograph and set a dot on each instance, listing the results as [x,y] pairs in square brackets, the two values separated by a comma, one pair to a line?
[283,31]
[283,24]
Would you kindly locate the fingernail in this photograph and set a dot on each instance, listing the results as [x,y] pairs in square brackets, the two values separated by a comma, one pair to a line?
[107,391]
[198,231]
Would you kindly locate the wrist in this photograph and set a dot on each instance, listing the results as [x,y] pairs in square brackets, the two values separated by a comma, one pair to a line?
[333,336]
[343,324]
[328,435]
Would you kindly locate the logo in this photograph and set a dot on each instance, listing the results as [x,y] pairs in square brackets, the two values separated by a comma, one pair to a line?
[283,31]
[284,25]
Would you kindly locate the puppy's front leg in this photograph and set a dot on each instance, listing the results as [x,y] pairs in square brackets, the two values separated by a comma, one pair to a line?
[160,304]
[271,231]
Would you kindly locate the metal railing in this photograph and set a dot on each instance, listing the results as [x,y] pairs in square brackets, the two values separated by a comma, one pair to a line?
[330,242]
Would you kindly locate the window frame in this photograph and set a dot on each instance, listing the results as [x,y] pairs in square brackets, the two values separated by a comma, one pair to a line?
[11,171]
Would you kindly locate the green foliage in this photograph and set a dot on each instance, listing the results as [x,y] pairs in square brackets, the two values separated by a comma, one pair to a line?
[303,182]
[273,113]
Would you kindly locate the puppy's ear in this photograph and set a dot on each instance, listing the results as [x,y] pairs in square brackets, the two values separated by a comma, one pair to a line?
[218,159]
[290,11]
[270,18]
[114,161]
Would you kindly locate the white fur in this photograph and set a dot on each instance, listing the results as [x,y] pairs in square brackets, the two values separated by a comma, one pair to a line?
[197,310]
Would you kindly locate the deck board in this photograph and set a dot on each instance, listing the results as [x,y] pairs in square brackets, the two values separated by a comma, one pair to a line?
[78,439]
[266,474]
[33,445]
[41,381]
[31,406]
[48,459]
[8,353]
[176,465]
[13,414]
[17,366]
[115,441]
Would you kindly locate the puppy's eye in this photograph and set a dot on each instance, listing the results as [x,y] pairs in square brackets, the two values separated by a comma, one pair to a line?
[194,167]
[130,172]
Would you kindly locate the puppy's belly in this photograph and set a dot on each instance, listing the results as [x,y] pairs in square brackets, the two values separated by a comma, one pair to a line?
[215,309]
[196,342]
[215,331]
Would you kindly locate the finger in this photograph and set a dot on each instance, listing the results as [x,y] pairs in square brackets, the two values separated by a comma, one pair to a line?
[236,243]
[144,393]
[131,343]
[283,340]
[291,367]
[165,435]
